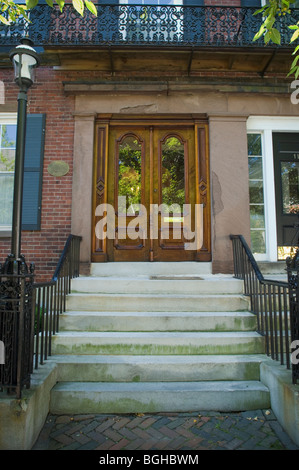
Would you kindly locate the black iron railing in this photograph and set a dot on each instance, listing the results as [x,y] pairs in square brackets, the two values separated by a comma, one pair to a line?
[50,298]
[145,25]
[29,317]
[16,331]
[270,301]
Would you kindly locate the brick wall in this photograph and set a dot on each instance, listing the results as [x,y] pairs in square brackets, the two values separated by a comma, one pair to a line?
[46,96]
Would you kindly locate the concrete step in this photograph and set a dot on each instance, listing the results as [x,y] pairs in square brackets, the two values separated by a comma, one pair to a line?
[156,302]
[93,368]
[135,269]
[270,268]
[177,284]
[154,397]
[179,343]
[157,321]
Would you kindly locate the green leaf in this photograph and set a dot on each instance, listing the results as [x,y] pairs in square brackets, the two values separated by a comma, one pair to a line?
[91,7]
[31,3]
[267,37]
[293,26]
[269,22]
[60,4]
[295,50]
[50,3]
[275,36]
[295,35]
[259,33]
[259,11]
[3,20]
[79,6]
[295,61]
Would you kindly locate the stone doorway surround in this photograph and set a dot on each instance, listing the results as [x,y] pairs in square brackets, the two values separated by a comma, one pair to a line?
[227,113]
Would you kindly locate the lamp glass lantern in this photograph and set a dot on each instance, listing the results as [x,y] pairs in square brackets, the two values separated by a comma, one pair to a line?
[25,60]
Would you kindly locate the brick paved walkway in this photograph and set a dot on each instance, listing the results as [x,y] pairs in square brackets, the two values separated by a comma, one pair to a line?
[254,430]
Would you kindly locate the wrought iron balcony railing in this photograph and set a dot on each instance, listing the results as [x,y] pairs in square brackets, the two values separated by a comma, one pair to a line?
[140,25]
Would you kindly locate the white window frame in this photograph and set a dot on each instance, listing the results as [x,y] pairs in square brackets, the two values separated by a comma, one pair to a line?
[7,118]
[266,126]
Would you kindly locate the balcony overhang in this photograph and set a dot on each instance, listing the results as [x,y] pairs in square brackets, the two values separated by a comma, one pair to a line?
[170,62]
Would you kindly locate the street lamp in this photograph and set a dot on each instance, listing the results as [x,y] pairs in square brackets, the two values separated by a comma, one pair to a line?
[25,60]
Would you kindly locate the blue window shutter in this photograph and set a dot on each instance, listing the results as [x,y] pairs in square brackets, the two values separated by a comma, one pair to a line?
[33,171]
[251,3]
[194,2]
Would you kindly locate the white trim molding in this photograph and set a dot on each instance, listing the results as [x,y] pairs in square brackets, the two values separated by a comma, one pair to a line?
[266,125]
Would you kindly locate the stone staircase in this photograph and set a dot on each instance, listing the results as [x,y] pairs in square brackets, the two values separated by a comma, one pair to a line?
[154,337]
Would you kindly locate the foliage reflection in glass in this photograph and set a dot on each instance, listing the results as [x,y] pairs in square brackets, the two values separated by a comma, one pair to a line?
[129,175]
[173,173]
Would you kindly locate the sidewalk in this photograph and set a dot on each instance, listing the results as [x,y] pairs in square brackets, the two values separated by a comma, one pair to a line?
[251,430]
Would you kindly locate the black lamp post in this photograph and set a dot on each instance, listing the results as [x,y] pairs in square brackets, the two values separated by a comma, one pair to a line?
[17,305]
[25,60]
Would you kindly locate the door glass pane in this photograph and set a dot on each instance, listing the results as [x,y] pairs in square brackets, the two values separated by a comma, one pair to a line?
[290,187]
[173,174]
[129,175]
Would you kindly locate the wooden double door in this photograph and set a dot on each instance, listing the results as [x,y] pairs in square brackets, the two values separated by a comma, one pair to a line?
[151,190]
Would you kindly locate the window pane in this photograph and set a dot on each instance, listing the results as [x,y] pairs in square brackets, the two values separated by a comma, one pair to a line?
[257,219]
[256,194]
[7,159]
[290,187]
[255,168]
[129,175]
[254,144]
[8,136]
[173,173]
[6,198]
[258,241]
[7,164]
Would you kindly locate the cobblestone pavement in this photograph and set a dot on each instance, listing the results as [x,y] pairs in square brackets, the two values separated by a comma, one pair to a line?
[254,430]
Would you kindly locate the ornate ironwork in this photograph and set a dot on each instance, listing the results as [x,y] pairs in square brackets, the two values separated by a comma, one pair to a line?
[140,25]
[16,326]
[293,271]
